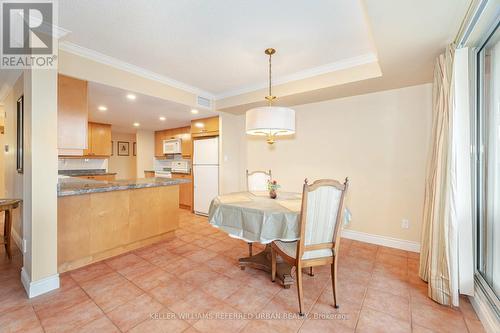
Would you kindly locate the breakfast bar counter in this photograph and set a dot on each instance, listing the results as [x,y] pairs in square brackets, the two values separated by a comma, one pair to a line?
[101,219]
[77,186]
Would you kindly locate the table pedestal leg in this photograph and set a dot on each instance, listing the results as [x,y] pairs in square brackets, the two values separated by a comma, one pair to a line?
[262,261]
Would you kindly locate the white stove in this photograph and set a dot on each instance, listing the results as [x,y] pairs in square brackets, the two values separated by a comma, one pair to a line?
[163,174]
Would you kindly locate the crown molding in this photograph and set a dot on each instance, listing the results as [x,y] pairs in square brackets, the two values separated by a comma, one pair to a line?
[125,66]
[305,74]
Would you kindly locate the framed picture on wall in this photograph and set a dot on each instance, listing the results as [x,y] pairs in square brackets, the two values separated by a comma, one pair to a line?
[112,147]
[20,135]
[123,148]
[134,149]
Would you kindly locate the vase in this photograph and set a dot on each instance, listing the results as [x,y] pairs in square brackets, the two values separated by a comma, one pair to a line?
[272,194]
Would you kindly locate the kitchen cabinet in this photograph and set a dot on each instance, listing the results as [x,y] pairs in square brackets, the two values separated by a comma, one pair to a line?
[205,127]
[186,143]
[72,115]
[182,133]
[159,137]
[149,174]
[99,140]
[185,191]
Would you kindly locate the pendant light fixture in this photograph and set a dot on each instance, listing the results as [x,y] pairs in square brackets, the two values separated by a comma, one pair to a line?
[270,121]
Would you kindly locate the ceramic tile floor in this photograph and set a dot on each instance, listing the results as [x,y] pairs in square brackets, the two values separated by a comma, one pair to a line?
[196,272]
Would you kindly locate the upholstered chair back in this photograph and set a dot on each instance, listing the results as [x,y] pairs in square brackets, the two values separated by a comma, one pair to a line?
[257,180]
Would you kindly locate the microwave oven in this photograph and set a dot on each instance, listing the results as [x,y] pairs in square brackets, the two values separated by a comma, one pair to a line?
[172,146]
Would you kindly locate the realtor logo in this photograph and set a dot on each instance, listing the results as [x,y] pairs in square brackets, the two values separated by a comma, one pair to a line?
[27,34]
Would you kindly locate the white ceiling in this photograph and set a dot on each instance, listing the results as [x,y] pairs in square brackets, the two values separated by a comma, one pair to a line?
[215,47]
[218,46]
[145,110]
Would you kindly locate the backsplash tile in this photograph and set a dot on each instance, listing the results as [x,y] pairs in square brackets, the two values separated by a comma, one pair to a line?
[83,163]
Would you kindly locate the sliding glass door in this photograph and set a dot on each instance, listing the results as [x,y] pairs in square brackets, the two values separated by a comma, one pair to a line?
[488,168]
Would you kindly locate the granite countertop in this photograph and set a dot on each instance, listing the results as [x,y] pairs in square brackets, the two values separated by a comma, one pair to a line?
[89,172]
[76,186]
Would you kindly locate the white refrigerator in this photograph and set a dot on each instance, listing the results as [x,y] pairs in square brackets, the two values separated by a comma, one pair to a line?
[206,173]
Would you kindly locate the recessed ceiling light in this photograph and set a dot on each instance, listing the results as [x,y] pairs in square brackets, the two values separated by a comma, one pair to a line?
[102,108]
[131,97]
[194,111]
[137,124]
[163,118]
[199,125]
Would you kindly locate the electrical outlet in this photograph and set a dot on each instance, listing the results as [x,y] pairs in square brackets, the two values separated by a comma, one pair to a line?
[405,224]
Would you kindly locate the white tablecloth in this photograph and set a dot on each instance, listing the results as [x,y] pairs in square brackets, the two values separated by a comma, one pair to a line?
[257,218]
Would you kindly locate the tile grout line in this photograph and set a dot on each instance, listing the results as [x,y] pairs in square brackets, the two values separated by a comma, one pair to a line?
[91,299]
[366,290]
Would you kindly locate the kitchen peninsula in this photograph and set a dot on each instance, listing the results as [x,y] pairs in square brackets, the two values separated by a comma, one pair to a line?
[101,219]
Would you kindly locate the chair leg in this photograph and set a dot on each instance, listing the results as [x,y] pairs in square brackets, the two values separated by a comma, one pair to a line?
[250,249]
[334,282]
[299,290]
[311,271]
[7,232]
[273,265]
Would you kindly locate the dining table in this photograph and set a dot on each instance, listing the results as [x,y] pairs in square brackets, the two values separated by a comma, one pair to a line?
[255,217]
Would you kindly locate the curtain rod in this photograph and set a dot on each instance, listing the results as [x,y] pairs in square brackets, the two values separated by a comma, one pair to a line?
[472,15]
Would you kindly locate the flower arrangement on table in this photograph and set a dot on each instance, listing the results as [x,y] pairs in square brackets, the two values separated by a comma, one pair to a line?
[272,186]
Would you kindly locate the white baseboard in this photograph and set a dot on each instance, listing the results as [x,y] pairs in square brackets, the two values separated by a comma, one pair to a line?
[382,240]
[39,287]
[486,315]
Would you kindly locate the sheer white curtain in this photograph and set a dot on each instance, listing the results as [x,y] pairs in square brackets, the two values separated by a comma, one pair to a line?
[438,247]
[446,258]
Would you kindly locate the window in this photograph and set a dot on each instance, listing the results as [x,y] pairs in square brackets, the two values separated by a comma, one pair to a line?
[488,168]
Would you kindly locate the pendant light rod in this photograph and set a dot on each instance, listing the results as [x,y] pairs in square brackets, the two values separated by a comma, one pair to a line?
[270,52]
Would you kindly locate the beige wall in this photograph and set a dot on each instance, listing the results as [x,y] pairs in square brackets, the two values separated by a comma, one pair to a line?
[124,166]
[37,221]
[13,180]
[2,154]
[232,157]
[145,151]
[379,140]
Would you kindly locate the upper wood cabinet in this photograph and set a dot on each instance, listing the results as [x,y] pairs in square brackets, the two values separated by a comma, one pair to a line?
[182,133]
[99,140]
[72,115]
[205,127]
[186,143]
[159,137]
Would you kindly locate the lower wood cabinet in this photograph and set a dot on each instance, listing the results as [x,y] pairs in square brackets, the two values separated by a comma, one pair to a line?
[95,226]
[185,191]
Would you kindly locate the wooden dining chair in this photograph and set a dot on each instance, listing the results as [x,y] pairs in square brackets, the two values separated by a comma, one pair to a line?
[320,221]
[257,182]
